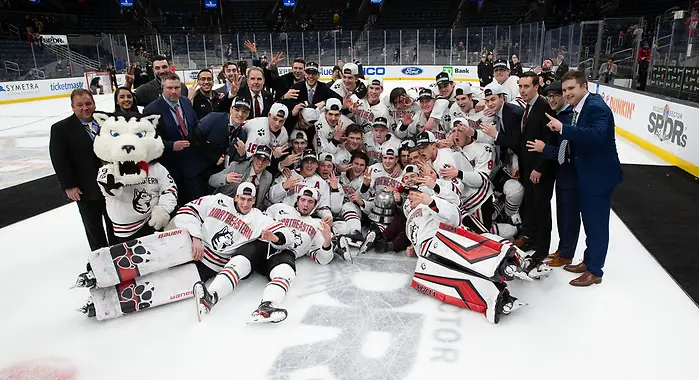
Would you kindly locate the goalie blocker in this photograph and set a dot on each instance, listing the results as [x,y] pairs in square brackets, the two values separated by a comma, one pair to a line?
[469,270]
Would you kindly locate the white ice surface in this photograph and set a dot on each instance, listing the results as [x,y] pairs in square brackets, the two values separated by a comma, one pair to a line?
[348,321]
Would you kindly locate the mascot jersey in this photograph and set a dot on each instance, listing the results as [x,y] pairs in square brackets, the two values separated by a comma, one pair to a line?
[306,231]
[131,207]
[259,134]
[222,229]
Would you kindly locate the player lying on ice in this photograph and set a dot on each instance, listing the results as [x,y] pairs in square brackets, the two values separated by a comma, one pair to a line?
[232,238]
[456,265]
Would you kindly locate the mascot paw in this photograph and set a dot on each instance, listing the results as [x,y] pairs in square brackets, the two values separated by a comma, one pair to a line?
[110,186]
[159,218]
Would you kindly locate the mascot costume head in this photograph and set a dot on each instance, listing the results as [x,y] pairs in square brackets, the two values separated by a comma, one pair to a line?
[128,142]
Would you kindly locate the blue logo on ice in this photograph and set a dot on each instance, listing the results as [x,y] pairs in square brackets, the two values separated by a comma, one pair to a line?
[412,71]
[2,88]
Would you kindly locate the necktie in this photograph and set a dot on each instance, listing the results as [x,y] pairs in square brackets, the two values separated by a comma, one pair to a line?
[526,115]
[563,148]
[92,129]
[257,106]
[180,121]
[496,148]
[311,92]
[254,180]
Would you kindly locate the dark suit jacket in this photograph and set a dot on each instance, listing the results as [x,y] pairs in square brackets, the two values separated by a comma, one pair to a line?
[224,104]
[321,94]
[244,168]
[279,84]
[216,138]
[594,143]
[186,163]
[73,158]
[562,69]
[536,129]
[566,174]
[151,91]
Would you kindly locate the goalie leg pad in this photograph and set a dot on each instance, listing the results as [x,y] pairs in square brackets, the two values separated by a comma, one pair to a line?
[145,292]
[138,257]
[458,288]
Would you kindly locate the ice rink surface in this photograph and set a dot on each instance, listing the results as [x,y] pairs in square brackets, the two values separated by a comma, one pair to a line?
[346,321]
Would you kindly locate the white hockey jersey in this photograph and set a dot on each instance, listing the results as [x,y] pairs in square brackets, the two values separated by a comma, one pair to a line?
[423,221]
[439,129]
[131,206]
[380,179]
[307,239]
[222,229]
[366,113]
[374,149]
[339,87]
[259,134]
[325,132]
[511,86]
[350,187]
[480,155]
[277,194]
[476,190]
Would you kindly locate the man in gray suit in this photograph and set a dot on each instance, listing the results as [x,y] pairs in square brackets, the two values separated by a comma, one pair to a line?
[252,170]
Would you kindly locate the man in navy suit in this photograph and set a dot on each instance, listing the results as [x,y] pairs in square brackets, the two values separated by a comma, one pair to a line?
[592,139]
[188,167]
[567,199]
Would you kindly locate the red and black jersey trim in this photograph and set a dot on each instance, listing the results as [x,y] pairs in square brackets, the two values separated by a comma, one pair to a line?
[187,210]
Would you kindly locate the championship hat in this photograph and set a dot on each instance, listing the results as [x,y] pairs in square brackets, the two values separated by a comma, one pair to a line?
[298,134]
[333,104]
[311,66]
[380,122]
[424,93]
[246,188]
[241,102]
[325,156]
[264,152]
[389,151]
[310,114]
[458,120]
[310,192]
[501,63]
[350,68]
[425,138]
[308,154]
[410,169]
[407,144]
[376,82]
[443,78]
[493,88]
[280,110]
[464,89]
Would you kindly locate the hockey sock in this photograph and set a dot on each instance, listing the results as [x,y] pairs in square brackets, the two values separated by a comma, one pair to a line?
[281,276]
[352,220]
[227,279]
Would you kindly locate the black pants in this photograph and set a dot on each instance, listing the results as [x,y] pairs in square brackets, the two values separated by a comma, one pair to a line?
[189,189]
[536,215]
[92,214]
[144,231]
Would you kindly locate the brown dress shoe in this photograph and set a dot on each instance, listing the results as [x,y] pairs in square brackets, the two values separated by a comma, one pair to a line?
[576,268]
[554,255]
[586,279]
[558,262]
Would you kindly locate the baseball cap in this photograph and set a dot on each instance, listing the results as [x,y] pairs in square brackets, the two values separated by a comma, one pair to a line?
[443,77]
[425,138]
[310,114]
[389,151]
[501,63]
[425,92]
[311,66]
[325,156]
[263,151]
[298,134]
[350,68]
[410,169]
[458,120]
[280,110]
[310,192]
[376,82]
[464,89]
[407,144]
[308,154]
[333,104]
[494,88]
[556,86]
[380,122]
[246,188]
[241,101]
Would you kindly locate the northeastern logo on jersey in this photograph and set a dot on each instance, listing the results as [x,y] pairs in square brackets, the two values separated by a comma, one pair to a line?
[299,225]
[387,181]
[233,221]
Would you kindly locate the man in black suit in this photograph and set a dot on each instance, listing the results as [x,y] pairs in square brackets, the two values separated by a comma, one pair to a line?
[149,92]
[76,166]
[260,99]
[188,167]
[537,174]
[562,67]
[310,90]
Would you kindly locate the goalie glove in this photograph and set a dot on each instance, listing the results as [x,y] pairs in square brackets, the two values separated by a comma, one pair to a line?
[159,218]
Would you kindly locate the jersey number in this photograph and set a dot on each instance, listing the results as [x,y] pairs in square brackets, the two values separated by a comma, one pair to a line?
[252,148]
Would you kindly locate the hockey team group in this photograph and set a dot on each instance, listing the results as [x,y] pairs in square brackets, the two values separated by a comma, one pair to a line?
[415,170]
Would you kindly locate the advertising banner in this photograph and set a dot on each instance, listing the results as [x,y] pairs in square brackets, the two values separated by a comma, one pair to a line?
[11,92]
[55,39]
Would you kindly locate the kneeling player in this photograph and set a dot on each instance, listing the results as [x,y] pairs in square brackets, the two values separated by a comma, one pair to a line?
[231,238]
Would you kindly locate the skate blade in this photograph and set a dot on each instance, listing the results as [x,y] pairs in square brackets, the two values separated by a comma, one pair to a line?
[198,295]
[516,305]
[276,317]
[522,276]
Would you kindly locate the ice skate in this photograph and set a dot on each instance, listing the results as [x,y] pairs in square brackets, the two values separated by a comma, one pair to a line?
[355,239]
[537,270]
[88,309]
[343,249]
[205,300]
[511,304]
[85,280]
[368,242]
[266,313]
